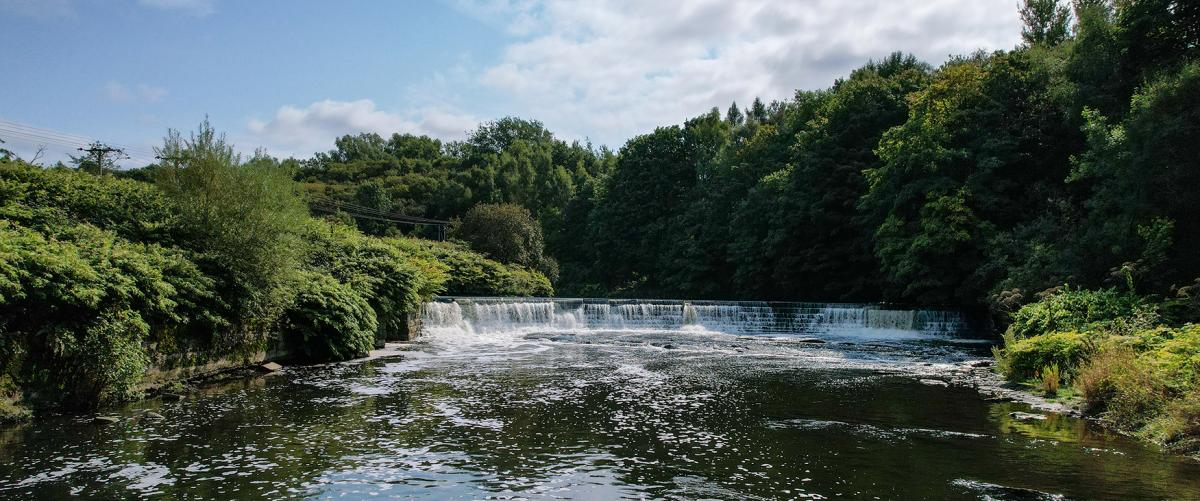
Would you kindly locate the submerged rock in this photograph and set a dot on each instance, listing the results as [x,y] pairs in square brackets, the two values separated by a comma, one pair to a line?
[173,397]
[106,420]
[153,415]
[1026,416]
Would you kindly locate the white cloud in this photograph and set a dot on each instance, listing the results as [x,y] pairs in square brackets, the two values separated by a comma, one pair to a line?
[615,68]
[198,8]
[302,131]
[140,93]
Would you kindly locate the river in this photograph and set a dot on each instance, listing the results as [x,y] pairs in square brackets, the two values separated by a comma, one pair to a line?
[524,400]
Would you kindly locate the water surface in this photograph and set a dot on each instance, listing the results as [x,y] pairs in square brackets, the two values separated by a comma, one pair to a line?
[683,413]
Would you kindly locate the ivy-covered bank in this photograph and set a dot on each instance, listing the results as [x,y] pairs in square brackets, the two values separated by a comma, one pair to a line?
[1130,361]
[109,285]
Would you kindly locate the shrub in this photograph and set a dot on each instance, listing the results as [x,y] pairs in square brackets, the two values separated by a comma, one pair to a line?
[1180,424]
[245,218]
[471,274]
[107,363]
[392,281]
[48,199]
[1049,379]
[77,308]
[1116,385]
[1073,310]
[507,233]
[329,321]
[1025,358]
[1175,361]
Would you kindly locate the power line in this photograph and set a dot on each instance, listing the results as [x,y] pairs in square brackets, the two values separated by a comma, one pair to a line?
[63,139]
[378,213]
[371,210]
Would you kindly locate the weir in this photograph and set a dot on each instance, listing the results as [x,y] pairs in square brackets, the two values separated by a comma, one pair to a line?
[489,315]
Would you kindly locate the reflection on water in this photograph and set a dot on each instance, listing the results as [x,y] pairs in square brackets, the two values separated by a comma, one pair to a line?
[597,415]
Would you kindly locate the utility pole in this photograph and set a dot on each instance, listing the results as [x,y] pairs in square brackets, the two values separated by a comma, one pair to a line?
[100,151]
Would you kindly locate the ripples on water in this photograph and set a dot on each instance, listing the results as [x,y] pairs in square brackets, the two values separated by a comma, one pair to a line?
[597,415]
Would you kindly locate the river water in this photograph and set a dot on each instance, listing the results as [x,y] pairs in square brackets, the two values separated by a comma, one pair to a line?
[546,402]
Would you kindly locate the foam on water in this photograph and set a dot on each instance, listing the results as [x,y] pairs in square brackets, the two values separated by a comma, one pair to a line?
[504,320]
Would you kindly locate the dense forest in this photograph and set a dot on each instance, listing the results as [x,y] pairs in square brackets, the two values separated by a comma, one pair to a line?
[1053,187]
[1068,159]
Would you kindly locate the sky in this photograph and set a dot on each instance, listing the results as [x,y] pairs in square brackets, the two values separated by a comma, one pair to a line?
[289,76]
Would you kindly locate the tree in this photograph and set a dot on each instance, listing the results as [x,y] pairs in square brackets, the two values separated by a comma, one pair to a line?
[245,218]
[813,243]
[506,233]
[1047,22]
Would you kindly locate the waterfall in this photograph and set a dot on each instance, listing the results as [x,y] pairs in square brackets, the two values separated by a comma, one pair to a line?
[474,316]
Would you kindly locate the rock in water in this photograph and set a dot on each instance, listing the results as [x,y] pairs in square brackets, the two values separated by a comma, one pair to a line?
[172,397]
[271,367]
[106,420]
[1026,416]
[934,382]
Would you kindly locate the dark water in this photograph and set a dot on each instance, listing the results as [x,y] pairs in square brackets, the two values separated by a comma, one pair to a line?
[597,415]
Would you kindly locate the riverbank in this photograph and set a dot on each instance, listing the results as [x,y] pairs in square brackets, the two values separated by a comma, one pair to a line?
[1128,362]
[112,286]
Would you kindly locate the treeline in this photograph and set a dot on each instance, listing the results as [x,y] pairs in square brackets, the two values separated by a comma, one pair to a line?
[1069,159]
[104,280]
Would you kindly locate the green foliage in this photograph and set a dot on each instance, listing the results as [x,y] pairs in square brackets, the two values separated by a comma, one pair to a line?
[1049,379]
[77,308]
[329,321]
[102,279]
[1046,22]
[1075,310]
[471,274]
[506,233]
[1139,377]
[394,282]
[1026,358]
[244,217]
[48,199]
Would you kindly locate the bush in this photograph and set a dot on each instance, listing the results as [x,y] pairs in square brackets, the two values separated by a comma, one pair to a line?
[507,233]
[1180,425]
[77,309]
[1025,358]
[1049,379]
[1116,385]
[1073,310]
[106,364]
[393,282]
[47,200]
[245,218]
[329,321]
[471,274]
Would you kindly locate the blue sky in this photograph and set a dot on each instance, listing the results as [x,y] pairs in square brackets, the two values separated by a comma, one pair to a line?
[290,76]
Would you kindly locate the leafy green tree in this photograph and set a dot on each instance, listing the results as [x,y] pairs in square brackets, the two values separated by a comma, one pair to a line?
[1142,171]
[1047,22]
[244,217]
[815,244]
[968,167]
[506,233]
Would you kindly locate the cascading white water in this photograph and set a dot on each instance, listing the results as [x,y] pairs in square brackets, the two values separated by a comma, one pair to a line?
[483,316]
